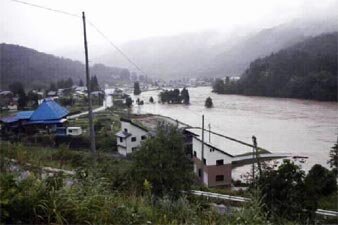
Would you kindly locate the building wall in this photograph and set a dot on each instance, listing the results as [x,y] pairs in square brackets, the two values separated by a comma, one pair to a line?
[211,170]
[210,173]
[210,155]
[128,146]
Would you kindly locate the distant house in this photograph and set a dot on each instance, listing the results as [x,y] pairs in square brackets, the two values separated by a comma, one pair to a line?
[7,101]
[81,88]
[52,94]
[130,136]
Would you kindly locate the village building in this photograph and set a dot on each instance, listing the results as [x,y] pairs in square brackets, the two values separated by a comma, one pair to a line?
[130,136]
[221,154]
[216,170]
[8,101]
[48,116]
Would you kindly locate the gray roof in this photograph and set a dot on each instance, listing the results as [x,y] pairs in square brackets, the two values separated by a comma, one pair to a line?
[123,134]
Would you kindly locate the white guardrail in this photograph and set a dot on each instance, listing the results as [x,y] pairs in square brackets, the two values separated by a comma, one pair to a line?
[242,199]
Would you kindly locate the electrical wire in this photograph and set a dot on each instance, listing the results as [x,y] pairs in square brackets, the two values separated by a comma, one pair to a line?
[92,25]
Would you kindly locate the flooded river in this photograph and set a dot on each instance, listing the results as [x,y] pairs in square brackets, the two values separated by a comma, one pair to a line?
[306,128]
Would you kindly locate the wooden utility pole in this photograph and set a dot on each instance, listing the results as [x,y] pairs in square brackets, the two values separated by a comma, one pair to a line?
[90,111]
[253,162]
[202,149]
[209,126]
[254,141]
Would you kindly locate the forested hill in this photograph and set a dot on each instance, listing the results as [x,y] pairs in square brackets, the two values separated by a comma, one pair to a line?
[36,69]
[307,70]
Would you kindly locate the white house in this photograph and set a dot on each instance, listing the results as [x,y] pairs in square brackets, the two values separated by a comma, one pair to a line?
[217,164]
[221,155]
[130,136]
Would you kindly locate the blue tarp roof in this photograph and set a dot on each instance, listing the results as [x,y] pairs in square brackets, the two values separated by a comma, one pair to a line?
[49,110]
[9,119]
[45,122]
[24,115]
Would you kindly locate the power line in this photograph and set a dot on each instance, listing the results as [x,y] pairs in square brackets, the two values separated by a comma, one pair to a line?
[115,47]
[47,8]
[91,24]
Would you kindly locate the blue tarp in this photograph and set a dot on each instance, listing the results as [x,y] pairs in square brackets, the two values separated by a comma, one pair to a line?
[49,110]
[24,115]
[45,122]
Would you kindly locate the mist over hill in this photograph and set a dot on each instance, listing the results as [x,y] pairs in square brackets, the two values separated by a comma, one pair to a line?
[214,53]
[37,69]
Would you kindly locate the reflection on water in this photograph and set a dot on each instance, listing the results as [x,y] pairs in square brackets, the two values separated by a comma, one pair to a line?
[307,128]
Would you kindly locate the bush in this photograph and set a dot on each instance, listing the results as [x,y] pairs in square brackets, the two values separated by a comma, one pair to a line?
[320,181]
[284,194]
[162,161]
[208,103]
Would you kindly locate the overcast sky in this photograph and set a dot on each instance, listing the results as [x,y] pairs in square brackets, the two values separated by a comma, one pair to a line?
[124,20]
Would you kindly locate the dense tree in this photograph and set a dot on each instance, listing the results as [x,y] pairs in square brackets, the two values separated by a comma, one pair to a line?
[306,70]
[320,181]
[16,88]
[208,103]
[37,69]
[94,84]
[81,84]
[185,96]
[288,193]
[218,86]
[33,98]
[22,100]
[333,161]
[137,89]
[52,86]
[174,96]
[283,191]
[163,163]
[129,102]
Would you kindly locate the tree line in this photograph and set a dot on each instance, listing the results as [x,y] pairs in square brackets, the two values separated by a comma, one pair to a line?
[307,70]
[36,69]
[175,96]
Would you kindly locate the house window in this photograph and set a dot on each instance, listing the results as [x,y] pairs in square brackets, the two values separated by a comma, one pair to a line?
[134,149]
[133,139]
[205,161]
[121,139]
[143,137]
[212,149]
[219,162]
[195,154]
[219,177]
[70,131]
[199,172]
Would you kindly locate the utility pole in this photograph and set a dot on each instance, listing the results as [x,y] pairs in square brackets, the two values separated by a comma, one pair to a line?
[202,149]
[253,162]
[254,141]
[90,112]
[209,126]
